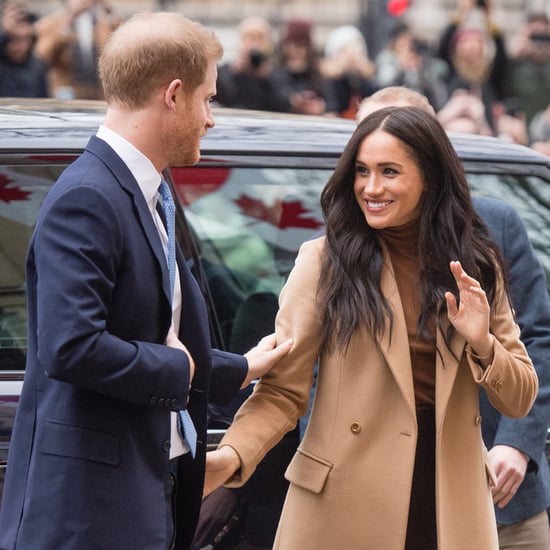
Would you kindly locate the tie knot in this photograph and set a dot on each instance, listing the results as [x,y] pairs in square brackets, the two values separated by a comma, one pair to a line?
[164,191]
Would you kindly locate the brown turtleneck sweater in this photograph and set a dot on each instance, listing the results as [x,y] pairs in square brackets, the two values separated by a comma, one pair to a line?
[402,245]
[421,528]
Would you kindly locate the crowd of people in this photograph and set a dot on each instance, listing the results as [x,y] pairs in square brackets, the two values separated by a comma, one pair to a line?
[479,79]
[475,79]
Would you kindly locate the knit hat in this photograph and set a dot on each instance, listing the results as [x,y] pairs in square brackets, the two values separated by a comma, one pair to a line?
[297,30]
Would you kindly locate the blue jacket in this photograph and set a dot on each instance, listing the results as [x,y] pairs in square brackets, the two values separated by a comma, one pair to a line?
[527,285]
[89,455]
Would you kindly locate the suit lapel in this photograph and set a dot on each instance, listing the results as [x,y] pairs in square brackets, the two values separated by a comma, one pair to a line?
[127,181]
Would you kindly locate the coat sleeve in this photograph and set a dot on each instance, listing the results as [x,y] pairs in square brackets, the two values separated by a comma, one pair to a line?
[282,395]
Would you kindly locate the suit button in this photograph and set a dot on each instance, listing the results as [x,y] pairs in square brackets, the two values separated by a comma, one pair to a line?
[168,403]
[477,420]
[161,401]
[355,427]
[166,445]
[174,404]
[153,400]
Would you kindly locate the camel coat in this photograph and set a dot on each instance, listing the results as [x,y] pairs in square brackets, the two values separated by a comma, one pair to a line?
[350,479]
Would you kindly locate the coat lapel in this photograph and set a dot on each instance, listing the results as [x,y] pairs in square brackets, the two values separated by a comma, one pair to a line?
[397,353]
[396,348]
[446,370]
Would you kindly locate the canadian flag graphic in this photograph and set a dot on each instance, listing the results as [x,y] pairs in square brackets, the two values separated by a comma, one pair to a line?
[21,194]
[279,205]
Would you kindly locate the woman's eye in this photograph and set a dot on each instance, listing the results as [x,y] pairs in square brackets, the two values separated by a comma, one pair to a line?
[361,169]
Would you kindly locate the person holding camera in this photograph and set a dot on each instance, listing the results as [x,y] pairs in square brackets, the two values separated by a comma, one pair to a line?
[250,81]
[21,73]
[69,41]
[489,65]
[528,77]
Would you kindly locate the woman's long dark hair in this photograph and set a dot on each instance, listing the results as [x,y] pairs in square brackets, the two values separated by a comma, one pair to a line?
[349,289]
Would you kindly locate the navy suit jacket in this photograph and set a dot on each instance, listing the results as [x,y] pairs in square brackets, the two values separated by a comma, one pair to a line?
[89,455]
[528,292]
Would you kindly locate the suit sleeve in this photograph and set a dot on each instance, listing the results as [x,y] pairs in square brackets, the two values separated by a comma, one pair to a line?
[228,373]
[527,285]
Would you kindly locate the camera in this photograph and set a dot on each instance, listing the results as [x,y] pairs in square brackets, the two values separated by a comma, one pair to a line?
[512,107]
[256,58]
[540,37]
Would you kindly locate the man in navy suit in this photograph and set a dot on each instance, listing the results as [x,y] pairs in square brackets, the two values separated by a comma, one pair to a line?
[96,460]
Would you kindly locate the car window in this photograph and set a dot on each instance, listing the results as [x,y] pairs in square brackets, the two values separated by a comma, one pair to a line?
[249,222]
[22,190]
[530,195]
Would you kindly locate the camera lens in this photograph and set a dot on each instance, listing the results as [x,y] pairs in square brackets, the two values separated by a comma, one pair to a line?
[256,58]
[540,37]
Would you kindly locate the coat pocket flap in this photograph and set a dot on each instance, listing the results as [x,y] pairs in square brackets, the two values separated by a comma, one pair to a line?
[77,442]
[308,471]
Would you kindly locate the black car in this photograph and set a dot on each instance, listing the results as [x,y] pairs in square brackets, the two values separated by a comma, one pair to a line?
[243,211]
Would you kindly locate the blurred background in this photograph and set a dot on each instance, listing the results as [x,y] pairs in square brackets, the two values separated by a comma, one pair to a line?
[427,17]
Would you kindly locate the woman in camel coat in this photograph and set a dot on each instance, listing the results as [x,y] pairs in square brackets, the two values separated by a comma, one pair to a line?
[392,457]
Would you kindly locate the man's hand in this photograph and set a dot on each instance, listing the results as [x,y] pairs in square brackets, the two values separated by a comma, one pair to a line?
[510,465]
[221,464]
[173,341]
[262,357]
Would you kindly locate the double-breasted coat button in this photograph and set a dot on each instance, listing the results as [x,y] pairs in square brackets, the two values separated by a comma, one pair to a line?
[166,445]
[496,383]
[355,427]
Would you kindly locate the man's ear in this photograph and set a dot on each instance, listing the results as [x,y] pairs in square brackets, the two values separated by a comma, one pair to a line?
[170,94]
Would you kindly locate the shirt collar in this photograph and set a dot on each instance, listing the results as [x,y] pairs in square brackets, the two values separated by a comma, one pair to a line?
[139,165]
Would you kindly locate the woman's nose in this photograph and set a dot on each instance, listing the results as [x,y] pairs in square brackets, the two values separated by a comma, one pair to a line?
[372,185]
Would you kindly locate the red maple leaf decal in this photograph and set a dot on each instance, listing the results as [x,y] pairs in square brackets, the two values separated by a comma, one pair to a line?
[282,215]
[293,216]
[8,194]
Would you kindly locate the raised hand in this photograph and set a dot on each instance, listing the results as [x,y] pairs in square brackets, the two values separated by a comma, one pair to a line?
[470,316]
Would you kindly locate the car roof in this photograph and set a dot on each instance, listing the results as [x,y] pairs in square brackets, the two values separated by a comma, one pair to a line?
[59,125]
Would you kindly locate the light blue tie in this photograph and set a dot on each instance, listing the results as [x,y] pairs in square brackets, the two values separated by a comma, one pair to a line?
[185,423]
